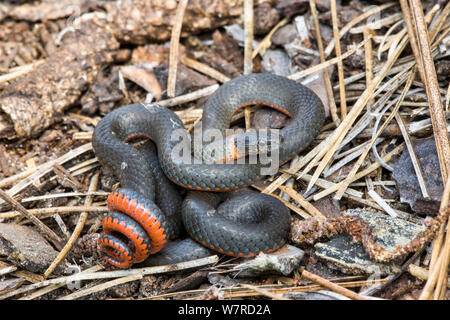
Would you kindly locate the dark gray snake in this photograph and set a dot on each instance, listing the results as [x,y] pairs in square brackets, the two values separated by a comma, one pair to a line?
[144,212]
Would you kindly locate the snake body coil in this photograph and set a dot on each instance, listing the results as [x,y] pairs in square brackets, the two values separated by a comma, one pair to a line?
[144,212]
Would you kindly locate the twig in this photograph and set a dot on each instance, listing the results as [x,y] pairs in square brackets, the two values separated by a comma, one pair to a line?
[20,71]
[264,292]
[116,274]
[443,255]
[189,96]
[203,68]
[30,175]
[331,101]
[360,160]
[57,241]
[64,174]
[53,287]
[413,156]
[248,48]
[174,44]
[53,210]
[78,228]
[332,286]
[368,60]
[102,286]
[432,88]
[340,65]
[326,64]
[248,36]
[343,128]
[302,201]
[266,43]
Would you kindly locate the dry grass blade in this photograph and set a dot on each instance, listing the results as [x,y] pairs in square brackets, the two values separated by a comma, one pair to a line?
[442,261]
[174,44]
[329,88]
[357,165]
[248,36]
[429,78]
[327,153]
[340,65]
[302,201]
[266,43]
[332,286]
[116,274]
[20,71]
[188,97]
[30,175]
[101,287]
[78,228]
[265,292]
[203,68]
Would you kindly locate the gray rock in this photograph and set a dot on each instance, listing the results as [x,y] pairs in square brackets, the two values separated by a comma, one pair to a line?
[408,185]
[26,248]
[276,62]
[283,261]
[348,256]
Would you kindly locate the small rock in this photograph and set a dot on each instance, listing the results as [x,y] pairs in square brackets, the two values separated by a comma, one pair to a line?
[26,248]
[349,256]
[265,18]
[276,62]
[283,261]
[407,183]
[284,35]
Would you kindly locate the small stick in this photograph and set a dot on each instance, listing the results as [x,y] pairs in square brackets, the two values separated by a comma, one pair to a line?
[38,223]
[189,96]
[264,292]
[327,153]
[266,43]
[368,59]
[432,89]
[174,44]
[288,204]
[361,158]
[340,65]
[303,202]
[332,286]
[331,101]
[326,64]
[20,71]
[248,36]
[31,174]
[60,210]
[248,48]
[7,270]
[116,274]
[441,254]
[355,21]
[78,228]
[63,173]
[203,68]
[413,156]
[422,273]
[102,286]
[53,287]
